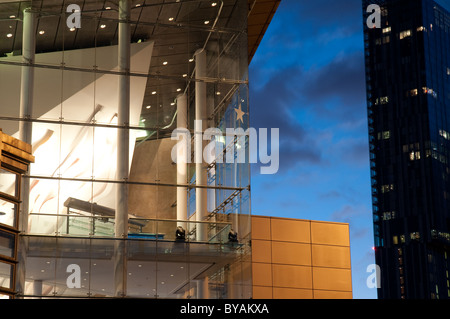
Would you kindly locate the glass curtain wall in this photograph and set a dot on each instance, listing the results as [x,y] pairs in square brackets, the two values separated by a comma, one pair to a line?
[73,114]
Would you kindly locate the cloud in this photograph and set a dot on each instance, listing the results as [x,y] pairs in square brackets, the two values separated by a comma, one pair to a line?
[272,106]
[349,212]
[341,81]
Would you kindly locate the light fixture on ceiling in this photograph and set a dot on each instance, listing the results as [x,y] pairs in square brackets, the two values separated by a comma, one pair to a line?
[206,22]
[72,29]
[154,92]
[165,63]
[9,35]
[191,60]
[171,19]
[108,8]
[184,75]
[148,107]
[103,26]
[12,16]
[41,32]
[213,4]
[179,90]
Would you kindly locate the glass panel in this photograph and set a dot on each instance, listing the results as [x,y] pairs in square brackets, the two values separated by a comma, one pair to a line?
[6,275]
[7,244]
[75,134]
[4,296]
[8,213]
[9,183]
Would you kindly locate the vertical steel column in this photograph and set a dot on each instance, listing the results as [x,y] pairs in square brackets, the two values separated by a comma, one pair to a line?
[123,148]
[182,163]
[25,130]
[201,122]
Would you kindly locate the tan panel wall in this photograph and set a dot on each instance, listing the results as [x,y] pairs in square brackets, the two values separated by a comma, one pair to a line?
[262,251]
[331,256]
[290,293]
[261,228]
[300,259]
[289,276]
[290,230]
[330,233]
[291,253]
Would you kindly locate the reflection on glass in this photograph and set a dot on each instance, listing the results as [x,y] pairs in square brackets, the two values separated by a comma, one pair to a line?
[6,271]
[8,182]
[7,241]
[7,213]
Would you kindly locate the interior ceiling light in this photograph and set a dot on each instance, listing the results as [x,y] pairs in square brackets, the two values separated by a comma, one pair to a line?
[206,22]
[72,29]
[12,17]
[103,26]
[41,32]
[9,35]
[191,60]
[171,19]
[154,92]
[165,63]
[148,107]
[179,89]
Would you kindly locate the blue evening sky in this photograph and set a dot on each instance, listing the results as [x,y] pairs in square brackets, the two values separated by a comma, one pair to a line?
[307,78]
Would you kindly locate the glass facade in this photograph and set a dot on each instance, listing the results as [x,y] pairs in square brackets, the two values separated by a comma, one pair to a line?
[408,94]
[188,64]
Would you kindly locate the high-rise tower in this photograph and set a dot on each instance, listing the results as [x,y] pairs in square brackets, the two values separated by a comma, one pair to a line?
[408,95]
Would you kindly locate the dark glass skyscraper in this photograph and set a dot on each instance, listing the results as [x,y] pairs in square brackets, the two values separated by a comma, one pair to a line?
[408,95]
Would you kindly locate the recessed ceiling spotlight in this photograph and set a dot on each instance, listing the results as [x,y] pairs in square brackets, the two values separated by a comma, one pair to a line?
[179,90]
[154,92]
[165,63]
[12,17]
[217,93]
[138,5]
[148,107]
[171,19]
[41,32]
[143,120]
[191,60]
[206,22]
[184,75]
[9,35]
[213,4]
[173,103]
[103,26]
[72,29]
[108,8]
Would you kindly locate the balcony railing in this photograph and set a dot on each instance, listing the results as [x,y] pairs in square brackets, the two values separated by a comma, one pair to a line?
[82,224]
